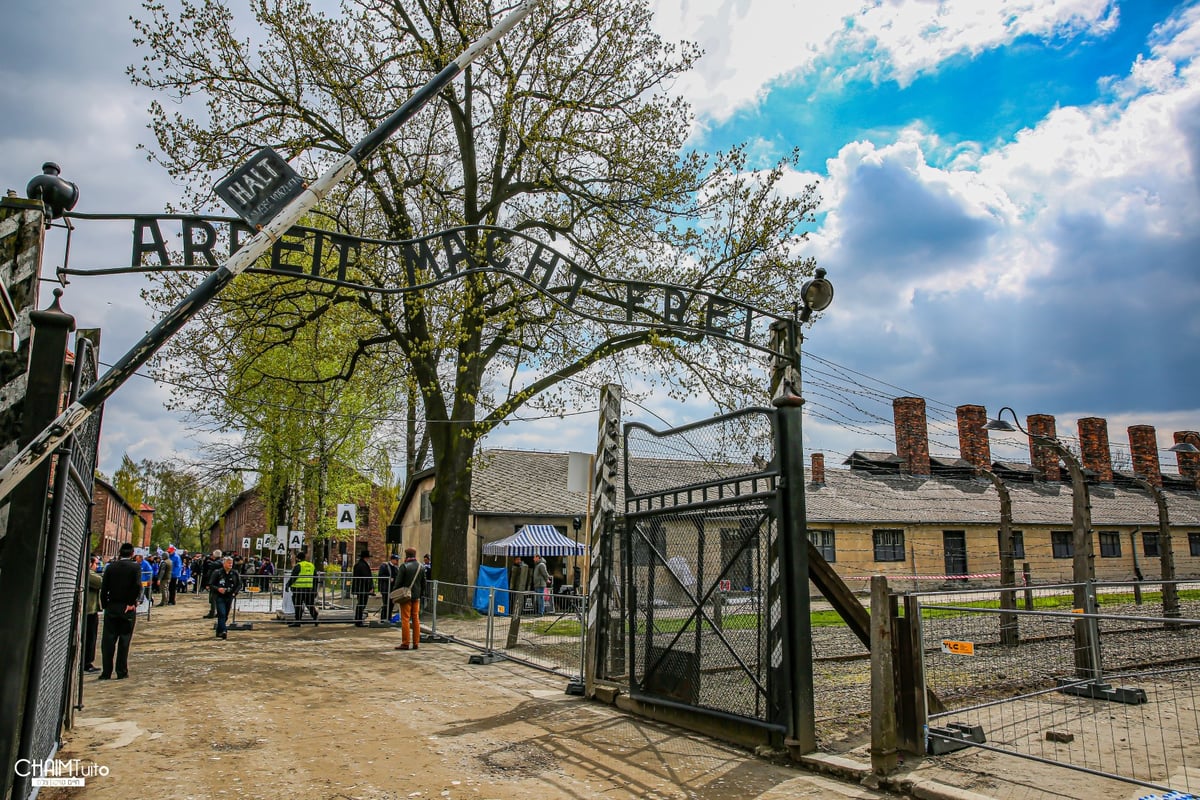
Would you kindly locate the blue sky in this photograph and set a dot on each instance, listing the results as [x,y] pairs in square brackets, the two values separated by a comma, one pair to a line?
[1010,216]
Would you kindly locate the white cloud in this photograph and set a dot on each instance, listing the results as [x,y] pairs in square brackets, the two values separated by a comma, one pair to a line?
[748,45]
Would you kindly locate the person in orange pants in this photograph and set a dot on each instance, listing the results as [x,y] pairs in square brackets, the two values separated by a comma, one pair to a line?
[412,577]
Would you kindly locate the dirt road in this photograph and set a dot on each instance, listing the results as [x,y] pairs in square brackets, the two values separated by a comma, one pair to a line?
[336,712]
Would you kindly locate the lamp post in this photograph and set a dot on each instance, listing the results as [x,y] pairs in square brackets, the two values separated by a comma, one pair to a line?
[1083,559]
[816,295]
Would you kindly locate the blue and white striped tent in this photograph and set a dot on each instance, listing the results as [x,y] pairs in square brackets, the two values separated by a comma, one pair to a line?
[534,540]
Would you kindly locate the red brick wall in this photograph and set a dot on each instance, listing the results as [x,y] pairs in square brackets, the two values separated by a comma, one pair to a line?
[1143,444]
[1041,456]
[912,433]
[1093,447]
[973,443]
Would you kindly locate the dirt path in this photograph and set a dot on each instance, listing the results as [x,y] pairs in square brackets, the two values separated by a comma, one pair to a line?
[335,712]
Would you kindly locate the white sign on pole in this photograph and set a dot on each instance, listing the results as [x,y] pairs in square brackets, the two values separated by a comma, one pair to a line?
[296,540]
[245,542]
[258,543]
[346,516]
[268,540]
[280,550]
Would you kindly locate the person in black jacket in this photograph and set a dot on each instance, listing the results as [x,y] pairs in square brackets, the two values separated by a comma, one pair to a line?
[120,591]
[211,565]
[388,572]
[361,586]
[223,586]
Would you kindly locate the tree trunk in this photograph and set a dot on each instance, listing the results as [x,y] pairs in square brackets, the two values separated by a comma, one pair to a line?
[451,501]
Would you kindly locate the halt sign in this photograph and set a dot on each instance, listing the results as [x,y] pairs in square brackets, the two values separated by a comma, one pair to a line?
[260,188]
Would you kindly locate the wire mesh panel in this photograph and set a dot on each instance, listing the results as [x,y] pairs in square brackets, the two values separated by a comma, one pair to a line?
[67,534]
[700,557]
[1136,718]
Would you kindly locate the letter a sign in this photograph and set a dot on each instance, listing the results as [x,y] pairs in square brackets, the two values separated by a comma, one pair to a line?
[296,540]
[346,519]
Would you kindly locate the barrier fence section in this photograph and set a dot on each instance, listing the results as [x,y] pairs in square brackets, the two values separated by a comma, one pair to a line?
[1134,713]
[503,623]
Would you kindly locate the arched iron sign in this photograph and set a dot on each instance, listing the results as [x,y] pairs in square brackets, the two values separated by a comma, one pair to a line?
[428,261]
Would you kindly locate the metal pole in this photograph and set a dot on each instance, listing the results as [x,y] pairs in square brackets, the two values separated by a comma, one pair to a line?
[1009,633]
[1166,553]
[797,624]
[53,435]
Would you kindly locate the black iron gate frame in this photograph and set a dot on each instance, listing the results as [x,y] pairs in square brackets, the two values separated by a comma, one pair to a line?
[751,497]
[57,652]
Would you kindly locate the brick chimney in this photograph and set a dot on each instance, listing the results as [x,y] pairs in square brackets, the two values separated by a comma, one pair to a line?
[912,433]
[1189,463]
[146,513]
[1042,457]
[1093,447]
[973,444]
[1143,445]
[818,469]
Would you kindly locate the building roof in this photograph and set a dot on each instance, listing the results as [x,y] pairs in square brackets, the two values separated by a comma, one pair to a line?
[530,484]
[524,482]
[858,496]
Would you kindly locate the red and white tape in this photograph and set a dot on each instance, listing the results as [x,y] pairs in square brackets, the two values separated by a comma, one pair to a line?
[972,576]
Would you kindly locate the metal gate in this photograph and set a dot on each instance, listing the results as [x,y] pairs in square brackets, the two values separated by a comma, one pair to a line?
[701,567]
[56,653]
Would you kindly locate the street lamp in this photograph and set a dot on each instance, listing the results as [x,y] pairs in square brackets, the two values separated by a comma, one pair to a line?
[1083,561]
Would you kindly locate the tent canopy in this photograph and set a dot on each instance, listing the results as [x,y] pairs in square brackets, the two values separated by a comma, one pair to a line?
[535,540]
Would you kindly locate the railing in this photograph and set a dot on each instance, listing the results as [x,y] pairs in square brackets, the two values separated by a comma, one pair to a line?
[1135,717]
[546,632]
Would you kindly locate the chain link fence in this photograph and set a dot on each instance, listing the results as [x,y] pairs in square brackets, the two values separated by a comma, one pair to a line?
[1134,715]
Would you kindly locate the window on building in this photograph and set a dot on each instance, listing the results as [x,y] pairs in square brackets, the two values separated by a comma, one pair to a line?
[1018,544]
[889,544]
[1150,544]
[1110,544]
[823,541]
[1061,544]
[426,507]
[739,554]
[649,543]
[1194,544]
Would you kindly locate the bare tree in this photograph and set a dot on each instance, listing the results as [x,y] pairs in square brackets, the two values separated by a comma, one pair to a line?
[565,131]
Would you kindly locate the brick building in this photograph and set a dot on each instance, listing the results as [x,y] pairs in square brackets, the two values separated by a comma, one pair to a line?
[247,518]
[112,520]
[913,516]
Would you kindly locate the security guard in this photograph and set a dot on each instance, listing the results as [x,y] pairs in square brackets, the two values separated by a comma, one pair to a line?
[303,591]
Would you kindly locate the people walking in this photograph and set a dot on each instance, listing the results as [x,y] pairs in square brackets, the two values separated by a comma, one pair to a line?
[176,572]
[164,581]
[541,580]
[120,592]
[361,581]
[388,572]
[147,570]
[211,565]
[304,593]
[412,576]
[224,587]
[91,618]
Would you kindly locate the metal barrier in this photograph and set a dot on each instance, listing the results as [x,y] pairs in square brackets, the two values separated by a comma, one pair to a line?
[502,623]
[335,598]
[1135,718]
